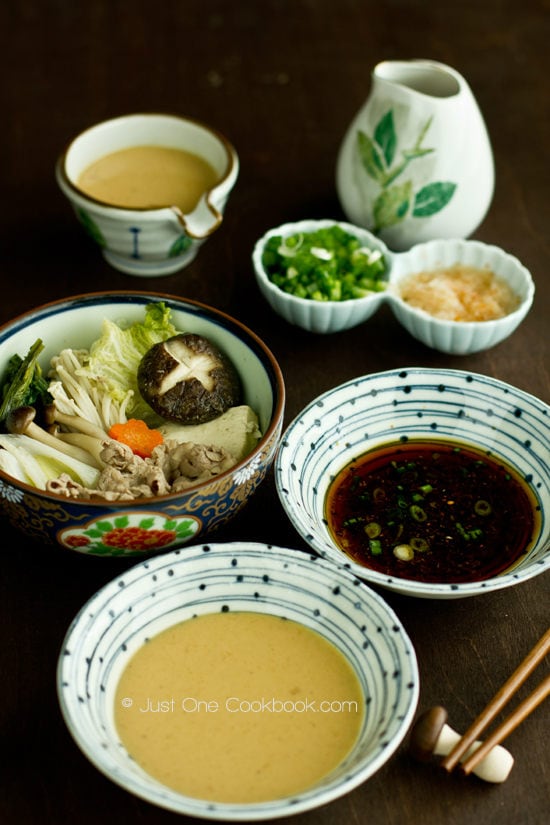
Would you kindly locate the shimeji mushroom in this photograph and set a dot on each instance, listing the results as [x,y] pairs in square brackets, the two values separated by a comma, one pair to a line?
[52,415]
[90,443]
[21,421]
[431,736]
[82,433]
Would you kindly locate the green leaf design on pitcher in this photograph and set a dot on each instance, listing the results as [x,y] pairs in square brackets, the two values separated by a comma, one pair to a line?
[391,205]
[432,198]
[377,155]
[371,158]
[385,136]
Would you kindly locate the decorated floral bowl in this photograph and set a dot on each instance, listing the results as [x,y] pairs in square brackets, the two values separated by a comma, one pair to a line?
[145,524]
[443,407]
[236,577]
[437,327]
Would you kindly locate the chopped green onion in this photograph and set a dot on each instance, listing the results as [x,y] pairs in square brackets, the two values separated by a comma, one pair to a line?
[327,264]
[349,522]
[379,494]
[375,547]
[373,529]
[482,507]
[417,513]
[403,552]
[419,544]
[475,533]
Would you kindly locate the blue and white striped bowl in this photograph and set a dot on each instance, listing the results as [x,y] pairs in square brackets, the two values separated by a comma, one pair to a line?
[414,403]
[200,579]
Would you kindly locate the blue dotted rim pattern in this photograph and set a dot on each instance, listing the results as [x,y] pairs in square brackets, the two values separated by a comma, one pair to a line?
[248,576]
[414,403]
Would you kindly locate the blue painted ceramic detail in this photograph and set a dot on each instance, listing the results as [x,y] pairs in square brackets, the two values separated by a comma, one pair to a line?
[239,577]
[414,403]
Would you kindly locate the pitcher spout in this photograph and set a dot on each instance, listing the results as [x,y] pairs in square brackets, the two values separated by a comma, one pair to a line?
[428,77]
[202,222]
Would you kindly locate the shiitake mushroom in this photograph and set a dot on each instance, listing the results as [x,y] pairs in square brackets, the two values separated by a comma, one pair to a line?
[188,379]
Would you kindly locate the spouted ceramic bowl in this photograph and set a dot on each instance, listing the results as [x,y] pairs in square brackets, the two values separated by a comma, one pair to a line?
[452,337]
[171,588]
[432,405]
[148,242]
[143,525]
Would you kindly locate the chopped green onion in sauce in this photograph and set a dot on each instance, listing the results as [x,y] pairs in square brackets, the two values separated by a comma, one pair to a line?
[432,511]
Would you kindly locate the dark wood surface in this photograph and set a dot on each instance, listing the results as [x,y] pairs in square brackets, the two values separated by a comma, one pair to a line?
[282,79]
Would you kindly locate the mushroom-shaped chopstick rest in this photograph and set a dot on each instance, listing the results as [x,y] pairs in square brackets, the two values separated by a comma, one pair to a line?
[432,736]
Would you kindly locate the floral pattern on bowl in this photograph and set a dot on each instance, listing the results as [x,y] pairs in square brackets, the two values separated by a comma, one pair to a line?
[129,534]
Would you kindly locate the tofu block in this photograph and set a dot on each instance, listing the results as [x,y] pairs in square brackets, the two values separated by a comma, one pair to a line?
[237,430]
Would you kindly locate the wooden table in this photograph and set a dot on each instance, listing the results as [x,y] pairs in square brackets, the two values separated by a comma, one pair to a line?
[282,79]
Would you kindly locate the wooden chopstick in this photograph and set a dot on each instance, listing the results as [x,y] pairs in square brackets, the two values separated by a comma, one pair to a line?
[511,723]
[505,693]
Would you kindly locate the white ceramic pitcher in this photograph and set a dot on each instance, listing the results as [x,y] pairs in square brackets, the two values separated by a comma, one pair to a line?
[416,162]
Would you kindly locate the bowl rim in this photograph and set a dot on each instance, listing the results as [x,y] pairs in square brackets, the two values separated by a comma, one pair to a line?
[259,348]
[408,587]
[284,557]
[72,190]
